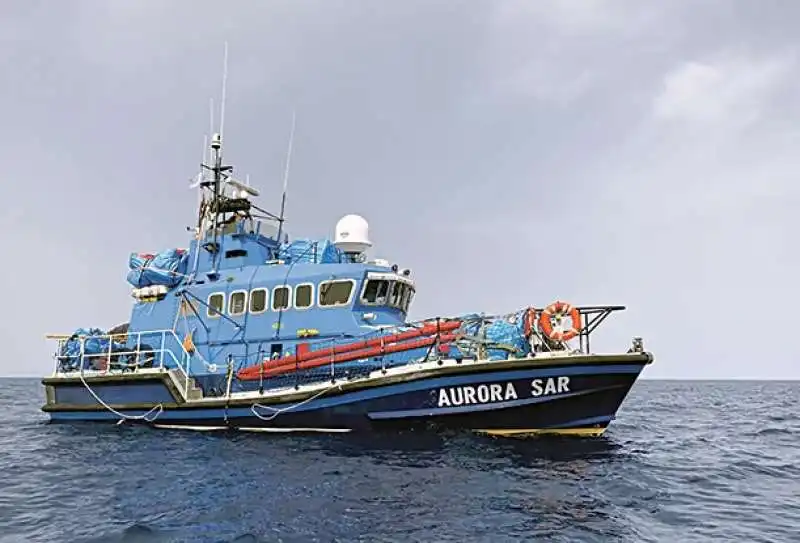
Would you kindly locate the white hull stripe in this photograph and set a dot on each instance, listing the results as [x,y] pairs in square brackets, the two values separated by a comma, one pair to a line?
[246,429]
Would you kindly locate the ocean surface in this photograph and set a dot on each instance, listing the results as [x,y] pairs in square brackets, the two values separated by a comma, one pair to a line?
[684,461]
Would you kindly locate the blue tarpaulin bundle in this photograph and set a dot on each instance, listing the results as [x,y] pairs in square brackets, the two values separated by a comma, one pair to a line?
[93,344]
[309,251]
[165,268]
[508,332]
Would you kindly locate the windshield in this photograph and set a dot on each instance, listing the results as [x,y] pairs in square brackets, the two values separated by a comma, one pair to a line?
[383,292]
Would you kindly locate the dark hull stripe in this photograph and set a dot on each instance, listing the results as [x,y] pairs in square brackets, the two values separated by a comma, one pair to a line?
[335,397]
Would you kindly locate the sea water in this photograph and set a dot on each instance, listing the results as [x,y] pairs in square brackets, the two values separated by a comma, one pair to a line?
[684,461]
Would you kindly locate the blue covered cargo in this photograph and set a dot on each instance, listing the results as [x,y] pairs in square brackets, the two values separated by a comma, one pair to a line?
[309,251]
[511,334]
[165,268]
[94,343]
[508,332]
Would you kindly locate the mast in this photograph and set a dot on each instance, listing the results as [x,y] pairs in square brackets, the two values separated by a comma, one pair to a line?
[216,201]
[215,207]
[219,203]
[216,151]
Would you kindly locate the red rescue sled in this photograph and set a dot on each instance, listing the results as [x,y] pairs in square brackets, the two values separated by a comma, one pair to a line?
[353,351]
[253,373]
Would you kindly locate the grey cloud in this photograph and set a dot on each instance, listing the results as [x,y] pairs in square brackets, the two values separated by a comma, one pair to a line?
[510,153]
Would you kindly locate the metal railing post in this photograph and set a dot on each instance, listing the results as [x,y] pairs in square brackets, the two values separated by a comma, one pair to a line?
[333,370]
[138,350]
[186,379]
[161,352]
[83,351]
[58,357]
[230,376]
[110,350]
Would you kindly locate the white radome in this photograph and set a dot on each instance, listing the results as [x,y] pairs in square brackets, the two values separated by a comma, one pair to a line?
[352,234]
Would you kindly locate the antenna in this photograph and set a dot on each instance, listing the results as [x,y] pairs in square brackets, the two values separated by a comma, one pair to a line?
[224,91]
[200,177]
[200,215]
[210,120]
[286,179]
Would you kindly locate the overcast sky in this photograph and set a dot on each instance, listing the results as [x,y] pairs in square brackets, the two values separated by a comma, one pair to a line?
[510,152]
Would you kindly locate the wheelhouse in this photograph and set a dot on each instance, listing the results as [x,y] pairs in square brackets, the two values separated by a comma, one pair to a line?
[387,290]
[378,290]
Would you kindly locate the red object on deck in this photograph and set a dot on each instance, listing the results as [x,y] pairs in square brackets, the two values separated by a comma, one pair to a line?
[253,373]
[302,350]
[303,355]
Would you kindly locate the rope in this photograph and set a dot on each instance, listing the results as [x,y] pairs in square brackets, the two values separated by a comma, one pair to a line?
[184,319]
[276,411]
[123,417]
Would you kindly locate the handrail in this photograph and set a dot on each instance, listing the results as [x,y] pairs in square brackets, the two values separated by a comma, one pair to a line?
[478,336]
[110,358]
[591,317]
[125,351]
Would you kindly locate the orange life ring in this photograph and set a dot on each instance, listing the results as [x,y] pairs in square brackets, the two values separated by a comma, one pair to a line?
[560,309]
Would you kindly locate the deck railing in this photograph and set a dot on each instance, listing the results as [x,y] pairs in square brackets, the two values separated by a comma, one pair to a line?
[120,353]
[479,337]
[125,352]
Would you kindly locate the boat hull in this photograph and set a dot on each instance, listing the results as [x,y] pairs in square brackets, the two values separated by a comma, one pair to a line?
[579,396]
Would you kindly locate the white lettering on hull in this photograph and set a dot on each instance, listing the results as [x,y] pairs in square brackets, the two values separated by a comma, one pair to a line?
[496,392]
[551,386]
[474,394]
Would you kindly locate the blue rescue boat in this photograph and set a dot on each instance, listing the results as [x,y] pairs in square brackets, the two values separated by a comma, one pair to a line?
[247,330]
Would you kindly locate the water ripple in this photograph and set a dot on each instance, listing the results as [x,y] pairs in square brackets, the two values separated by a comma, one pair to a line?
[685,461]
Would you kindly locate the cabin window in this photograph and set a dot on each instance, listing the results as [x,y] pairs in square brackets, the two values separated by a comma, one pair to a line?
[303,296]
[233,253]
[402,294]
[335,293]
[398,289]
[408,299]
[280,298]
[238,302]
[375,292]
[258,300]
[216,305]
